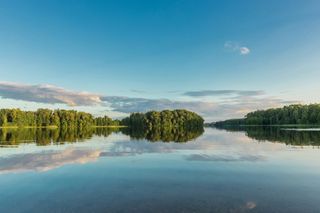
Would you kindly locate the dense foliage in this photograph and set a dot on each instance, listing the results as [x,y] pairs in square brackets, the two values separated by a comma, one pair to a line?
[57,118]
[164,123]
[230,122]
[106,121]
[293,114]
[164,120]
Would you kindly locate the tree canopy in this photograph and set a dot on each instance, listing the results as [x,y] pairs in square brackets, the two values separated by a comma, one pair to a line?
[165,120]
[59,118]
[293,114]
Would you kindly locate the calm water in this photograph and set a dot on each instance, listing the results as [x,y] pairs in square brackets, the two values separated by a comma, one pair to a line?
[239,170]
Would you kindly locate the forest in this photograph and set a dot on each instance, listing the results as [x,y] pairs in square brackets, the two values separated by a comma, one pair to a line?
[288,115]
[164,120]
[52,118]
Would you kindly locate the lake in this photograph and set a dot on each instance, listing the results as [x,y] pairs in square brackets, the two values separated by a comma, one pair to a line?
[234,170]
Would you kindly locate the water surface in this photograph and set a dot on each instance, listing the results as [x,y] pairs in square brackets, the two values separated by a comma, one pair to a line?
[235,170]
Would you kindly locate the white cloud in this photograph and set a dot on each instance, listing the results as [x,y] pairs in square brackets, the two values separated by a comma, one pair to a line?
[232,103]
[44,161]
[244,50]
[236,47]
[202,93]
[231,107]
[47,94]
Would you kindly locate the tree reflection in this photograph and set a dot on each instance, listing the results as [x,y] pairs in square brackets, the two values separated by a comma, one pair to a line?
[165,135]
[47,136]
[279,134]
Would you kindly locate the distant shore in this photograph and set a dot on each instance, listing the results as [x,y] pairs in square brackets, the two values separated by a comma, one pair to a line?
[55,127]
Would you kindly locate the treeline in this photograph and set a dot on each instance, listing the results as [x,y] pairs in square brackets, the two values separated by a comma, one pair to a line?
[289,115]
[73,119]
[57,118]
[164,120]
[229,122]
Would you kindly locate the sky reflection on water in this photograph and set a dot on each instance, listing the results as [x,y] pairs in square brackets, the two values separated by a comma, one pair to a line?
[219,171]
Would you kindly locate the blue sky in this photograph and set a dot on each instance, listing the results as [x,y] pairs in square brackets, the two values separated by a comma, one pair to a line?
[237,56]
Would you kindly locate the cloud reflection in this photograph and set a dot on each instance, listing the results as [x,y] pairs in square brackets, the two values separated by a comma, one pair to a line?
[213,146]
[218,146]
[45,161]
[251,205]
[225,158]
